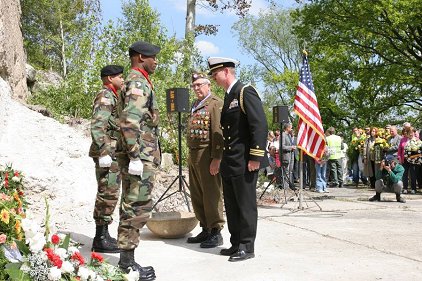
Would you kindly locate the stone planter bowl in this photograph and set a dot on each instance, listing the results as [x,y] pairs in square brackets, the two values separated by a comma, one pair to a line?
[172,224]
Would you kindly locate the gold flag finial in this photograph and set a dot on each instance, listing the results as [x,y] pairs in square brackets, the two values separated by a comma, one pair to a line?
[305,52]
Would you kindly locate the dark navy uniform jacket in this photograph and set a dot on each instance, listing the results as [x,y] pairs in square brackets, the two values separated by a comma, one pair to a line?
[244,133]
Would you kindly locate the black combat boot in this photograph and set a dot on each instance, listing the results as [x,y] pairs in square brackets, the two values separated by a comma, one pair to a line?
[103,243]
[127,263]
[107,234]
[376,197]
[201,237]
[214,239]
[399,198]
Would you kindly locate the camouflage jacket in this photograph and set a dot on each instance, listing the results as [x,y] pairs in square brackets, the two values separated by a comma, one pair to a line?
[104,124]
[139,120]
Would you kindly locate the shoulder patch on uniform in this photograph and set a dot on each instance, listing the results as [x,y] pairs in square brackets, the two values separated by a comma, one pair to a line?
[136,92]
[105,101]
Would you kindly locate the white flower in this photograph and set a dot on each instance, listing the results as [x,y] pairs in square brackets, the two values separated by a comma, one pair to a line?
[30,227]
[83,272]
[54,274]
[72,250]
[67,267]
[99,278]
[2,168]
[61,252]
[133,275]
[92,275]
[36,243]
[15,179]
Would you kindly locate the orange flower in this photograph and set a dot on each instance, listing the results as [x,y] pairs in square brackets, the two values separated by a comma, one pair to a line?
[4,216]
[18,226]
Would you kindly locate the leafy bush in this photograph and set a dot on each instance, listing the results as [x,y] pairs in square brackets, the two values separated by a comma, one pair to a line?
[69,99]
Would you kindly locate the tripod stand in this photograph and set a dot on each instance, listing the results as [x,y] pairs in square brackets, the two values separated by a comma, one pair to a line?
[182,181]
[283,182]
[301,192]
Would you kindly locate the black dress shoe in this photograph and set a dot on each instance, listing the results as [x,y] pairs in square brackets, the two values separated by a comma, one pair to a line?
[228,252]
[214,239]
[201,237]
[241,255]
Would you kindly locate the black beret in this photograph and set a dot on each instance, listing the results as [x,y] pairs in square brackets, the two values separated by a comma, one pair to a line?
[110,70]
[144,48]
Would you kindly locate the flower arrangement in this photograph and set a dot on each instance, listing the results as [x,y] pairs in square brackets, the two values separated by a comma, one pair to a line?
[54,257]
[356,145]
[12,205]
[381,142]
[383,133]
[31,253]
[413,151]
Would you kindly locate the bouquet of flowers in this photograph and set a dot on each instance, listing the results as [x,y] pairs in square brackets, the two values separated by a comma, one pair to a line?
[379,146]
[31,253]
[12,206]
[54,257]
[356,146]
[413,151]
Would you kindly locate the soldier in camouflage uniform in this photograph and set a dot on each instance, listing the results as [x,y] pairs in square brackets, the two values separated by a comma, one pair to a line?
[104,132]
[138,153]
[205,142]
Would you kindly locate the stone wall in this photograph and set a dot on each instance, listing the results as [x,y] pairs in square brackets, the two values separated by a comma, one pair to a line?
[12,55]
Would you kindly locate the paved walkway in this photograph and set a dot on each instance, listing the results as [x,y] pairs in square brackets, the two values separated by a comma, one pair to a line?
[350,239]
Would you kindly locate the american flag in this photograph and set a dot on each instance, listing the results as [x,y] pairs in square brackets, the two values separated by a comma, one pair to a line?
[310,136]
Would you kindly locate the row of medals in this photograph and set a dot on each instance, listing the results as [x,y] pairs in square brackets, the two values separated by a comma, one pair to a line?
[200,125]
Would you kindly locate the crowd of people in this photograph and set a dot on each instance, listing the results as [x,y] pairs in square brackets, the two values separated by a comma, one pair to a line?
[363,159]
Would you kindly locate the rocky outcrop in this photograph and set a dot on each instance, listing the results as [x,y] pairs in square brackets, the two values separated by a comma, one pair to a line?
[12,55]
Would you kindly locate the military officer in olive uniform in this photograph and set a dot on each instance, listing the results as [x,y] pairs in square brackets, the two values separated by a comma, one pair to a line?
[138,153]
[205,142]
[245,131]
[105,131]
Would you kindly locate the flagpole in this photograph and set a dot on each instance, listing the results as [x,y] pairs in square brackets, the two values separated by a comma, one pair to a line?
[300,179]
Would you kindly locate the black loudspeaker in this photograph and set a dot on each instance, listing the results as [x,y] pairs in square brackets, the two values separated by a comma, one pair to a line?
[177,100]
[280,114]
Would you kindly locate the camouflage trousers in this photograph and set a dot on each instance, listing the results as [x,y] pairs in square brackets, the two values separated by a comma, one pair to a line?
[136,203]
[108,180]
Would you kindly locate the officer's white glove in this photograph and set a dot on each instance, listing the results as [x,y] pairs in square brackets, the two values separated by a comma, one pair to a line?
[136,167]
[105,161]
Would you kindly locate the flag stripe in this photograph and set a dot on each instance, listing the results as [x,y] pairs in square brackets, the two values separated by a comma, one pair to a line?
[310,135]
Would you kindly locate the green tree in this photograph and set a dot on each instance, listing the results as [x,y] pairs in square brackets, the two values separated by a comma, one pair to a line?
[367,57]
[55,30]
[269,39]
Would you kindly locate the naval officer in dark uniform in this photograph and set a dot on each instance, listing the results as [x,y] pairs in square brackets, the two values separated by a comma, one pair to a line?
[245,132]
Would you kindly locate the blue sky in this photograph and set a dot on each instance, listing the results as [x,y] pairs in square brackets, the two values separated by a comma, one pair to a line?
[173,13]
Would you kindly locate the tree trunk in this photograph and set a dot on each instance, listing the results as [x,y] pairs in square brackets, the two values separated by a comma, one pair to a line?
[190,17]
[63,50]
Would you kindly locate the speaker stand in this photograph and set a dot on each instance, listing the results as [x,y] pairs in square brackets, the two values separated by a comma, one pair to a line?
[182,181]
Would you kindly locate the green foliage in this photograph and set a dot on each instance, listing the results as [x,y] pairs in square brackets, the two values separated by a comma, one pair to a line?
[15,274]
[55,30]
[3,261]
[69,99]
[95,46]
[364,56]
[366,59]
[269,39]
